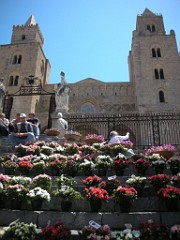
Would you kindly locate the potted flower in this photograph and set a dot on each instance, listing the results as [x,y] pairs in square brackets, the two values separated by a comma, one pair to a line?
[119,164]
[33,149]
[158,181]
[92,181]
[25,167]
[55,231]
[72,135]
[117,149]
[128,233]
[111,184]
[138,183]
[87,166]
[166,150]
[124,197]
[158,162]
[99,232]
[52,132]
[36,196]
[175,232]
[102,163]
[39,166]
[72,164]
[152,230]
[10,167]
[47,150]
[176,180]
[43,180]
[56,166]
[88,149]
[14,195]
[95,196]
[127,144]
[174,164]
[94,138]
[71,148]
[21,150]
[171,196]
[64,181]
[25,181]
[19,231]
[67,195]
[141,165]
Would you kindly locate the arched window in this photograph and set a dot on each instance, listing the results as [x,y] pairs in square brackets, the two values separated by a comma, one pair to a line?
[153,28]
[161,97]
[88,108]
[13,81]
[149,28]
[14,59]
[156,74]
[153,52]
[159,52]
[19,59]
[161,73]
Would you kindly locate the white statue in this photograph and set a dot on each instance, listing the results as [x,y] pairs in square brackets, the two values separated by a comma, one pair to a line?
[2,93]
[62,95]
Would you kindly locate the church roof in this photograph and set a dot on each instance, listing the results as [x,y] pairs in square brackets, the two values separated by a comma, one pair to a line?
[147,12]
[30,21]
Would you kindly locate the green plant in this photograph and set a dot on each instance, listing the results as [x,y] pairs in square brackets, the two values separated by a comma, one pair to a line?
[20,231]
[65,181]
[67,193]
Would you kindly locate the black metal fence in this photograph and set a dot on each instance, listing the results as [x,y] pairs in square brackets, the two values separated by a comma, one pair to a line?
[145,130]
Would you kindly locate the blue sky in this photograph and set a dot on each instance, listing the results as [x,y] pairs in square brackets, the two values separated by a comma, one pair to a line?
[86,38]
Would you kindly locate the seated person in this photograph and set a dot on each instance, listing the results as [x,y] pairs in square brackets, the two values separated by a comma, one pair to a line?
[4,125]
[14,121]
[35,123]
[22,133]
[116,138]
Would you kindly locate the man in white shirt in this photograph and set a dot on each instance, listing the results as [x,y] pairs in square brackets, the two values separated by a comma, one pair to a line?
[116,138]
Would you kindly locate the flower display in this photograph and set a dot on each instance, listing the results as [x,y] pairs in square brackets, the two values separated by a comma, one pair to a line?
[136,181]
[128,233]
[21,231]
[43,180]
[120,163]
[101,233]
[103,161]
[25,165]
[159,180]
[47,150]
[15,191]
[141,165]
[25,181]
[68,193]
[32,149]
[38,193]
[95,136]
[65,181]
[155,149]
[56,231]
[110,185]
[72,135]
[152,230]
[127,144]
[169,192]
[96,193]
[92,181]
[124,192]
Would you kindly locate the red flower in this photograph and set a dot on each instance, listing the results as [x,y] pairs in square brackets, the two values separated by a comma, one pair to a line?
[92,181]
[169,192]
[96,193]
[121,192]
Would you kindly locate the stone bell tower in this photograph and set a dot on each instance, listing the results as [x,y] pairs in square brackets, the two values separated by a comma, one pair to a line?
[25,64]
[154,65]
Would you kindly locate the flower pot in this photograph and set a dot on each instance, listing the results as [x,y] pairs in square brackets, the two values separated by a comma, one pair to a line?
[72,137]
[102,172]
[165,153]
[125,205]
[95,205]
[159,169]
[36,204]
[174,170]
[66,205]
[171,204]
[119,171]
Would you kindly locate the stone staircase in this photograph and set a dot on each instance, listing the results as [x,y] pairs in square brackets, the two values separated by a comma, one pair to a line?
[144,208]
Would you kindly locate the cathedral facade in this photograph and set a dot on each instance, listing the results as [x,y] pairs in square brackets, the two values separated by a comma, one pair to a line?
[154,75]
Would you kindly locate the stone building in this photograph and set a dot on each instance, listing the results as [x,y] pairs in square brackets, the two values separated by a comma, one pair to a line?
[154,72]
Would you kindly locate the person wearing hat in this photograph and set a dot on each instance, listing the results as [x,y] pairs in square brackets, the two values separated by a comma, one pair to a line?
[22,133]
